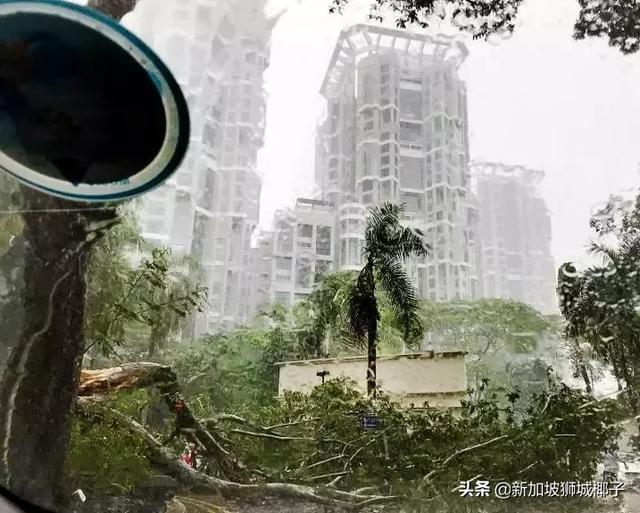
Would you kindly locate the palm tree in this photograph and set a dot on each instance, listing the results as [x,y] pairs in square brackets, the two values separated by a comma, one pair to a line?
[387,244]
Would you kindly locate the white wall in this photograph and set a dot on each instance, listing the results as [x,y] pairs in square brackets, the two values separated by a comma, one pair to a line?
[439,378]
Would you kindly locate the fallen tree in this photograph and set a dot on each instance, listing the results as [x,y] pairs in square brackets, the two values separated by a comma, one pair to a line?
[94,385]
[415,457]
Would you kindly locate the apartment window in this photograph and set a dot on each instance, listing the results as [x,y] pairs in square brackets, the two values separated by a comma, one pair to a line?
[367,185]
[385,136]
[386,115]
[283,263]
[410,104]
[411,132]
[384,161]
[412,172]
[305,230]
[285,242]
[208,135]
[236,225]
[354,252]
[323,240]
[368,126]
[282,298]
[303,273]
[413,202]
[386,191]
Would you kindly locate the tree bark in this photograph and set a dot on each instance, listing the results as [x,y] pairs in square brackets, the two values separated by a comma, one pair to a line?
[582,367]
[39,384]
[125,377]
[115,9]
[372,336]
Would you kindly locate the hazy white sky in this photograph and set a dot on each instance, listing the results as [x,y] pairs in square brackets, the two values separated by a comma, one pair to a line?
[539,98]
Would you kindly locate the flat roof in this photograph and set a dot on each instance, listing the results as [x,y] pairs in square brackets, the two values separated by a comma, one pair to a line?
[406,356]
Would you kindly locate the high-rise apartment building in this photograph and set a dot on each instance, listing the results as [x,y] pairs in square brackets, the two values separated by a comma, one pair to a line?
[396,130]
[515,234]
[218,50]
[297,252]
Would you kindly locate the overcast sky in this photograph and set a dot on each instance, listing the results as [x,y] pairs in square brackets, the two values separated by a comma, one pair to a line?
[570,108]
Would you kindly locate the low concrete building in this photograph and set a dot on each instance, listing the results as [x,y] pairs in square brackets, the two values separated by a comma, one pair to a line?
[436,378]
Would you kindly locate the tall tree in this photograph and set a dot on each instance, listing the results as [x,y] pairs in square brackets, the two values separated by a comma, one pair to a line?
[502,337]
[40,379]
[602,303]
[387,244]
[617,20]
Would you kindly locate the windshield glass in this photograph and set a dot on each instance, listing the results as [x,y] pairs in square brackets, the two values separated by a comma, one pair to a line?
[396,270]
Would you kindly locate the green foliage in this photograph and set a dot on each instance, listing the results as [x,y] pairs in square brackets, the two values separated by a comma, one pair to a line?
[507,342]
[233,371]
[103,456]
[602,304]
[127,303]
[319,320]
[559,436]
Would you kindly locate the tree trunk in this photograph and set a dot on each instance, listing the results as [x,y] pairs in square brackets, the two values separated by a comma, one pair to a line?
[372,335]
[115,9]
[582,367]
[39,383]
[155,342]
[585,378]
[40,380]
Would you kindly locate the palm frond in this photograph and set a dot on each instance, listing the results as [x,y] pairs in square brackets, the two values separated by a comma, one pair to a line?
[402,297]
[386,235]
[411,241]
[383,228]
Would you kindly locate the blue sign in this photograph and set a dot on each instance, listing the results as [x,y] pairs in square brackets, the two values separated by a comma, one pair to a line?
[370,421]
